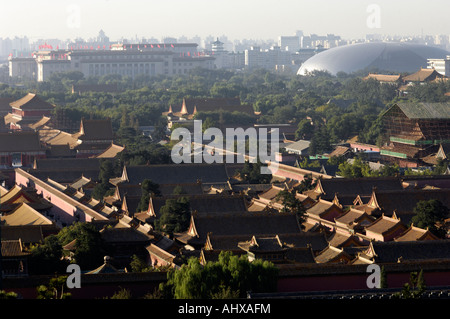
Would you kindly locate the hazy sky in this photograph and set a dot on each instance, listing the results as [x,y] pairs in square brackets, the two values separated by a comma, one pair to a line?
[238,19]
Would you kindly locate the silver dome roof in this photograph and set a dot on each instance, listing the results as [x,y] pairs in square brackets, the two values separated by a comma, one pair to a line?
[384,56]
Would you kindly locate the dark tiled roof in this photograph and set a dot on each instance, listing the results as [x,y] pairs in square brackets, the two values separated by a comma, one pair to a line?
[302,255]
[262,243]
[28,234]
[210,104]
[206,203]
[245,223]
[121,235]
[188,189]
[20,142]
[316,241]
[424,110]
[177,173]
[96,130]
[357,186]
[65,176]
[403,202]
[68,163]
[411,250]
[13,248]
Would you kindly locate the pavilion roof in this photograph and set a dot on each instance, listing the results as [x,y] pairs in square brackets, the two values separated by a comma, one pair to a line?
[32,102]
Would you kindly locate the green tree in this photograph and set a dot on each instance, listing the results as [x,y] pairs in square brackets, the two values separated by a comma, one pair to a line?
[148,188]
[230,276]
[46,258]
[320,142]
[415,288]
[90,248]
[138,265]
[251,173]
[7,295]
[292,204]
[306,184]
[108,170]
[431,214]
[122,294]
[54,289]
[305,130]
[174,216]
[357,169]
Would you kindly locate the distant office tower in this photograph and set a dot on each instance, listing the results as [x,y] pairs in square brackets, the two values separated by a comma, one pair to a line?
[272,59]
[442,66]
[289,43]
[23,68]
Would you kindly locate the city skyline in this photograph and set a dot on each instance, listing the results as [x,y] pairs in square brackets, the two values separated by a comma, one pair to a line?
[264,19]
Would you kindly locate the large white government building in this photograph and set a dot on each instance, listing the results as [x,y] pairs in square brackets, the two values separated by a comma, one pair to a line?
[124,59]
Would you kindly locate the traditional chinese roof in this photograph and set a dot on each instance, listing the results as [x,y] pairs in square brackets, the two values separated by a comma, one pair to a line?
[175,174]
[263,244]
[45,120]
[322,207]
[11,142]
[340,151]
[384,77]
[192,105]
[57,193]
[18,195]
[116,235]
[424,110]
[205,203]
[67,164]
[384,225]
[408,251]
[353,216]
[27,234]
[240,224]
[332,254]
[106,268]
[111,152]
[24,214]
[316,241]
[82,182]
[339,240]
[403,202]
[415,233]
[94,130]
[423,75]
[13,248]
[31,102]
[327,188]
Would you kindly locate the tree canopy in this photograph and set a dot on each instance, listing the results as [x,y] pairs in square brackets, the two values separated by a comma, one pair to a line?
[230,275]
